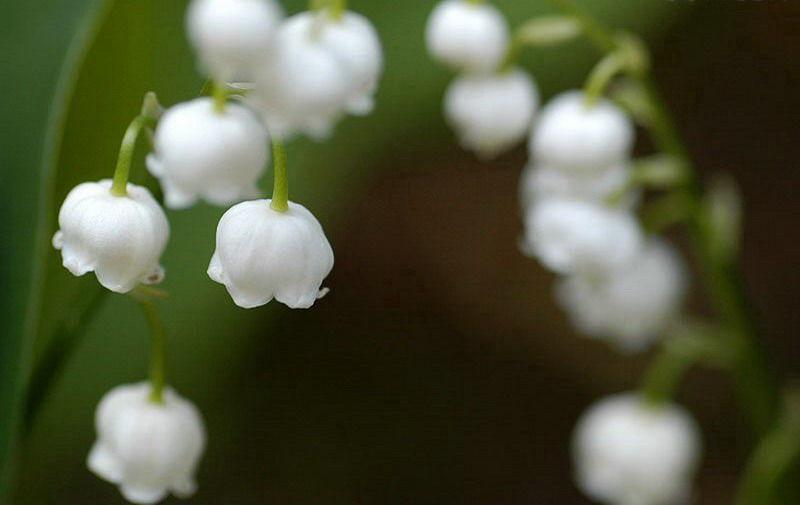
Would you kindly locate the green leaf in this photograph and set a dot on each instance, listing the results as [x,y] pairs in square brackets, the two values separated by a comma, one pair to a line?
[45,42]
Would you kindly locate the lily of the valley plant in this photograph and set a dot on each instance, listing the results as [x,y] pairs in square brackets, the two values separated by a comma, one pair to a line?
[588,210]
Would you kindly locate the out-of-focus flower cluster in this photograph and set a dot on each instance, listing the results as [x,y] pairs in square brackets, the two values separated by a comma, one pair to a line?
[492,102]
[618,283]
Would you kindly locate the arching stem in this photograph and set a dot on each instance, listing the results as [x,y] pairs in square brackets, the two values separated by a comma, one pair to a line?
[755,383]
[150,112]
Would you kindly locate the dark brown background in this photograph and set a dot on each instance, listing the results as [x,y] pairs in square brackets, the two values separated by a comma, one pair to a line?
[477,378]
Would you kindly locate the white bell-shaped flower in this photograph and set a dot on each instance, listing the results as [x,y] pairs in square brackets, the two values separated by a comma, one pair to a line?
[263,254]
[540,182]
[629,453]
[305,85]
[570,236]
[632,305]
[203,153]
[471,36]
[572,135]
[231,37]
[119,238]
[354,41]
[148,449]
[491,112]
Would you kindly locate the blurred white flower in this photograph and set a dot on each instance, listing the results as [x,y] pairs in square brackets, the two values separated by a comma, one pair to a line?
[231,37]
[354,41]
[322,67]
[203,153]
[467,35]
[263,254]
[119,238]
[148,449]
[540,182]
[629,453]
[570,236]
[571,135]
[630,306]
[491,113]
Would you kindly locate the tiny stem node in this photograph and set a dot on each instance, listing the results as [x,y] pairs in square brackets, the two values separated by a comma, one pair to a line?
[220,96]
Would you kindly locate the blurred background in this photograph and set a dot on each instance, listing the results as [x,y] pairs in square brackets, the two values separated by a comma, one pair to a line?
[438,369]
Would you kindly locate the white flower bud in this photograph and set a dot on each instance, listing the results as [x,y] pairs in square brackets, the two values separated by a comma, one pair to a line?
[570,236]
[231,37]
[263,254]
[491,113]
[539,182]
[467,35]
[119,238]
[630,306]
[202,153]
[148,449]
[571,135]
[629,453]
[305,85]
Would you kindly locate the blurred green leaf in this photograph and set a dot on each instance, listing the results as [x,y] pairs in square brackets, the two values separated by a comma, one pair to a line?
[44,42]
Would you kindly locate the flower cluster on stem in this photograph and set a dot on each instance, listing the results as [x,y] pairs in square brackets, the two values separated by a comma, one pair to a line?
[588,218]
[215,149]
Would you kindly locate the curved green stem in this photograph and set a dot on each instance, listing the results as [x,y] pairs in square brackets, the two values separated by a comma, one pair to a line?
[280,190]
[158,343]
[150,112]
[691,344]
[122,171]
[603,73]
[755,384]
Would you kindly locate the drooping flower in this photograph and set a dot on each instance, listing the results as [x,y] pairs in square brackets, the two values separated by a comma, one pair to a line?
[119,238]
[263,254]
[470,36]
[491,112]
[148,449]
[322,66]
[204,153]
[631,305]
[540,182]
[354,41]
[572,135]
[629,453]
[575,237]
[231,37]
